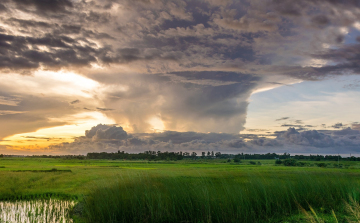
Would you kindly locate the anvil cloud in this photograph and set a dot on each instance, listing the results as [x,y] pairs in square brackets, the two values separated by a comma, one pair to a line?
[154,66]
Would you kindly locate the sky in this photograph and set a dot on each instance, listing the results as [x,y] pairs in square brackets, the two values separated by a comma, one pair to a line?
[230,76]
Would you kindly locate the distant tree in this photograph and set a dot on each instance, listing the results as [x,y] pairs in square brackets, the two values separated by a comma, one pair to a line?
[278,161]
[208,153]
[193,154]
[218,154]
[237,158]
[202,154]
[1,155]
[212,153]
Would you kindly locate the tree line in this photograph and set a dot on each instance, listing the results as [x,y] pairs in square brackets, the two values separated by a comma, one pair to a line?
[158,155]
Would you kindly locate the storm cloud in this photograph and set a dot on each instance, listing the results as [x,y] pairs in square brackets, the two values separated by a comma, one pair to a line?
[183,68]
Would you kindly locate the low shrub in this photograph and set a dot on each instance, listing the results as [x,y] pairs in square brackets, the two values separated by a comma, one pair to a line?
[338,166]
[290,162]
[252,163]
[278,161]
[300,163]
[321,164]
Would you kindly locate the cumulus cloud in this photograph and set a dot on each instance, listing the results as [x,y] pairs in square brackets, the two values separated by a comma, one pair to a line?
[105,132]
[347,131]
[307,138]
[109,138]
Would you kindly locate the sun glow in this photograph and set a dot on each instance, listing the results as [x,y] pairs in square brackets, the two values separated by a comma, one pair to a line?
[66,133]
[157,124]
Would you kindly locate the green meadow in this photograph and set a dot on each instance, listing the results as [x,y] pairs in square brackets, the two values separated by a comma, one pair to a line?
[188,190]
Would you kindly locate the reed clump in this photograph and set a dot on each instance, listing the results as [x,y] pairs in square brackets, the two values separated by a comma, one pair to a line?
[255,198]
[39,211]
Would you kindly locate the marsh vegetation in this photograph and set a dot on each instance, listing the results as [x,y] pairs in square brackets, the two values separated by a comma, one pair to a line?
[253,197]
[36,211]
[186,190]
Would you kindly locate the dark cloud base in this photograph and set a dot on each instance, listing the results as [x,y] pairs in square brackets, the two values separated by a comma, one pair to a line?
[105,138]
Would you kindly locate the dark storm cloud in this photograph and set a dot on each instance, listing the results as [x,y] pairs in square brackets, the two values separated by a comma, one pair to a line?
[187,34]
[44,5]
[15,53]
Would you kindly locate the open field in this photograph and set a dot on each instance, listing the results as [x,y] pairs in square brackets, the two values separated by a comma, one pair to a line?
[184,191]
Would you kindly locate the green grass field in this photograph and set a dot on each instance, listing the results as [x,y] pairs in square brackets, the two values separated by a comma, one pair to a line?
[184,191]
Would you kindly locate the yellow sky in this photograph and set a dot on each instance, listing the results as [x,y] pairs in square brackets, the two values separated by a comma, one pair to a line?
[66,133]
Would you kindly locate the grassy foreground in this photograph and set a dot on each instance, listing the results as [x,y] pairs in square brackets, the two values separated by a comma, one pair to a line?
[184,191]
[254,198]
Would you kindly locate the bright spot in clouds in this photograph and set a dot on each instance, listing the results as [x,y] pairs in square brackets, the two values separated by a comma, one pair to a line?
[157,124]
[66,133]
[50,83]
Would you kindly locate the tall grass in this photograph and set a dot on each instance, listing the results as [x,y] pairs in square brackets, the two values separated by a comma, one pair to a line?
[351,214]
[255,198]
